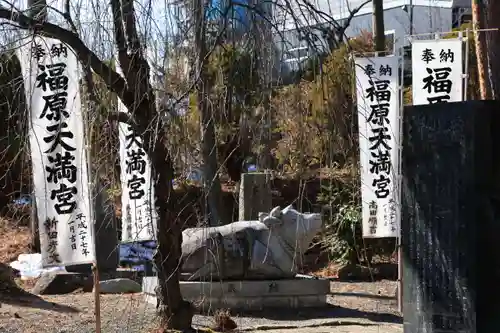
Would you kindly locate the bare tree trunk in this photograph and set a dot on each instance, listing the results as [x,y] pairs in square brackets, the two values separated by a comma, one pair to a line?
[378,25]
[493,13]
[175,313]
[480,43]
[261,41]
[211,181]
[137,95]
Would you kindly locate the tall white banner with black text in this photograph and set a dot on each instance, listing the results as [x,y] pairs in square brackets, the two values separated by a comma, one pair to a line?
[61,180]
[138,197]
[437,71]
[378,101]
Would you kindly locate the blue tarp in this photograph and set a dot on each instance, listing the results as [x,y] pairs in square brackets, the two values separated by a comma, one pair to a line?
[23,200]
[135,254]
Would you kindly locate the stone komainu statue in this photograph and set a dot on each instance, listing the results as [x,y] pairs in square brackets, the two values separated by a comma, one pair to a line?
[269,248]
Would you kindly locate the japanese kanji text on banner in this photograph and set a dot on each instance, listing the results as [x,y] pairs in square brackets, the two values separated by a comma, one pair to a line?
[378,101]
[437,70]
[138,197]
[61,181]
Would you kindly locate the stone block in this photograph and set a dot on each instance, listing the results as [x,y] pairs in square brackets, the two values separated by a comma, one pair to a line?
[249,295]
[119,286]
[255,195]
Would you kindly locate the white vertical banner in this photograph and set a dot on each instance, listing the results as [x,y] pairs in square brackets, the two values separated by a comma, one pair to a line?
[437,71]
[379,107]
[51,77]
[138,197]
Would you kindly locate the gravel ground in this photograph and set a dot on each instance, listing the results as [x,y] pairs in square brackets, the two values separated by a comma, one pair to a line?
[354,308]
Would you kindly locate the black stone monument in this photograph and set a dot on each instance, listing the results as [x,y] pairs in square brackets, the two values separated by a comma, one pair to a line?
[449,221]
[106,236]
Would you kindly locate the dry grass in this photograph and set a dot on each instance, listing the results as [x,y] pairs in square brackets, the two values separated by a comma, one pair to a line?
[14,239]
[223,321]
[330,271]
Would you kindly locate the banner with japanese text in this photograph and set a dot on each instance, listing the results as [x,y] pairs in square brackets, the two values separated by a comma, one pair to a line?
[138,197]
[61,182]
[437,71]
[378,102]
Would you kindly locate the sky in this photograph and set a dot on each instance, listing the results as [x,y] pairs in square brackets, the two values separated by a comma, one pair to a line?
[157,21]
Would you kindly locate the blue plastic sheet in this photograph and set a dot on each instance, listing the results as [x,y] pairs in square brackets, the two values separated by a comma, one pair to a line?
[136,254]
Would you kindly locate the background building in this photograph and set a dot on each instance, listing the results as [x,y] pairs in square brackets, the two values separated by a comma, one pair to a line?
[399,21]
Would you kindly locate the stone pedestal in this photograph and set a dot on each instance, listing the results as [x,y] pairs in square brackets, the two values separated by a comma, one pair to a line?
[248,295]
[450,230]
[255,195]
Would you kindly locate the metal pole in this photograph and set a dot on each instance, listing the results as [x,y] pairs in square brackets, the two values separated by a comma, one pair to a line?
[400,176]
[36,9]
[465,80]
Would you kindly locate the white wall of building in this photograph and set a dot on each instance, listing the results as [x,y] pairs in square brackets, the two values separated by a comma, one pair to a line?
[326,10]
[429,17]
[425,20]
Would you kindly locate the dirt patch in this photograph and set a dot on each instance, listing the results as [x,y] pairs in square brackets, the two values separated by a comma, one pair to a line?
[15,239]
[75,313]
[359,304]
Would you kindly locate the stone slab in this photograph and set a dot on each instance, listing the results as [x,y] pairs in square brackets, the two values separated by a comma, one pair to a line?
[450,217]
[57,283]
[254,295]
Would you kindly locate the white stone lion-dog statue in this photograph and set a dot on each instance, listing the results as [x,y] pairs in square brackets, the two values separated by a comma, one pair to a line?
[270,248]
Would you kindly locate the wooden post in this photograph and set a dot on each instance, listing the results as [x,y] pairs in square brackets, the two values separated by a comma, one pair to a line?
[97,299]
[378,25]
[255,195]
[400,275]
[492,13]
[480,44]
[35,234]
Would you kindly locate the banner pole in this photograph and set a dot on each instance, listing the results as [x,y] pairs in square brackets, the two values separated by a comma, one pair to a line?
[97,298]
[400,277]
[400,182]
[87,123]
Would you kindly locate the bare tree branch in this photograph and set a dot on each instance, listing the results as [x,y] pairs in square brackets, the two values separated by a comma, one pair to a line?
[128,13]
[119,34]
[113,80]
[336,35]
[122,117]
